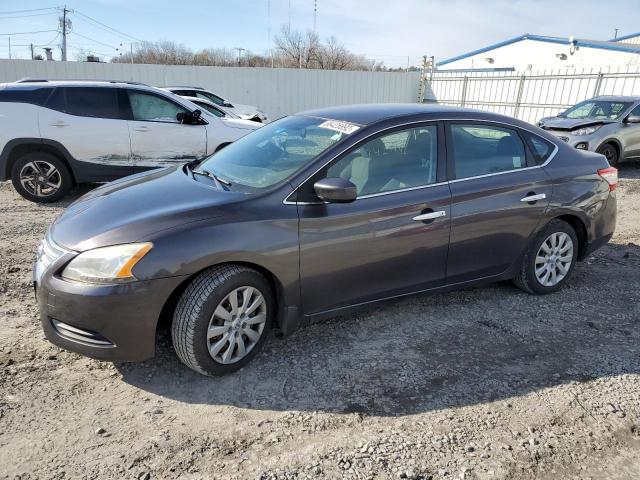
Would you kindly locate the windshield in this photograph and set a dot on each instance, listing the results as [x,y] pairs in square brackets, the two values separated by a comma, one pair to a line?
[274,152]
[215,111]
[211,97]
[598,110]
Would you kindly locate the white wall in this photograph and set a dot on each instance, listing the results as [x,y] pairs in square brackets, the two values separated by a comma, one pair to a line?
[277,91]
[527,55]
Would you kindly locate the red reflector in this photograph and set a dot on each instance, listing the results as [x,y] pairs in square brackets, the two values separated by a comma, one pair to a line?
[610,175]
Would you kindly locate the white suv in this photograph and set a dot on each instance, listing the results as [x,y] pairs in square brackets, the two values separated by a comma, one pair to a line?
[54,134]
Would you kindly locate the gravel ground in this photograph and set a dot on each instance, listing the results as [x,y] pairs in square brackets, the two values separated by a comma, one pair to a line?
[482,383]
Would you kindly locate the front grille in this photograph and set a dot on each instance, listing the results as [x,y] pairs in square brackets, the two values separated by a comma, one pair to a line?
[79,335]
[48,252]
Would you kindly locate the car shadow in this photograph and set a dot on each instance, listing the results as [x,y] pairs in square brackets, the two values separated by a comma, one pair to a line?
[629,170]
[432,352]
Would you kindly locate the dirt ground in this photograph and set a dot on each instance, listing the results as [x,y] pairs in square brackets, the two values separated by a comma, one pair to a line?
[486,383]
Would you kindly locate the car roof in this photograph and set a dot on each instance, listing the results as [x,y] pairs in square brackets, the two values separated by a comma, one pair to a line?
[367,114]
[617,98]
[183,86]
[30,84]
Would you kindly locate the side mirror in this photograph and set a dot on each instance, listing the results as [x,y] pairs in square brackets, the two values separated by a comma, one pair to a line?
[632,119]
[335,190]
[190,118]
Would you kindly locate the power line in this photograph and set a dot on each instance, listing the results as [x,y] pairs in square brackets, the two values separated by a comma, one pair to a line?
[107,26]
[30,10]
[27,33]
[25,16]
[94,40]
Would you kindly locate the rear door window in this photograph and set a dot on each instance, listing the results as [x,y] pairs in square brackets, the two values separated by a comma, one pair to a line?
[482,149]
[92,102]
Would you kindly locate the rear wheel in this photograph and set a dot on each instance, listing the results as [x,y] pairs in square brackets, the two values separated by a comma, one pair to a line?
[41,177]
[550,259]
[610,151]
[222,319]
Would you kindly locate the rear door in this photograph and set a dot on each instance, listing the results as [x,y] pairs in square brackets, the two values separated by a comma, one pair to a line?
[498,195]
[90,122]
[393,238]
[158,139]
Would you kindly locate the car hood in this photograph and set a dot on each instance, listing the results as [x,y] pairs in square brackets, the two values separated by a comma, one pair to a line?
[240,109]
[561,123]
[135,207]
[241,123]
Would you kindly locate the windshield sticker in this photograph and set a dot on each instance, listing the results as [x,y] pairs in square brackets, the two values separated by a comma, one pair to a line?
[338,126]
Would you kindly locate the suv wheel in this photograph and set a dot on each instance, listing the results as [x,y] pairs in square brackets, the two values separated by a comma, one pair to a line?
[550,259]
[41,177]
[222,319]
[610,152]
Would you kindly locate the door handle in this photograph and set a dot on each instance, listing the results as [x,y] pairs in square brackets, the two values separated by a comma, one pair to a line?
[534,198]
[430,216]
[141,129]
[59,124]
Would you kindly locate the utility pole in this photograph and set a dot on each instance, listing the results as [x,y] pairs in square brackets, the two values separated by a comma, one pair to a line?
[9,48]
[615,33]
[240,50]
[131,52]
[31,47]
[65,28]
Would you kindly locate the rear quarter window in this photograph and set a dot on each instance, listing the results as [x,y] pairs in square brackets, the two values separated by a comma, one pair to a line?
[35,96]
[541,149]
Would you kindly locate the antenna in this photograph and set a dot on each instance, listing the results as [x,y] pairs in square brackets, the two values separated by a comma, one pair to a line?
[315,14]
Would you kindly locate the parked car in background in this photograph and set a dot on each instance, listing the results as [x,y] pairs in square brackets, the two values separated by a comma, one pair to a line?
[312,216]
[54,134]
[247,112]
[212,109]
[609,125]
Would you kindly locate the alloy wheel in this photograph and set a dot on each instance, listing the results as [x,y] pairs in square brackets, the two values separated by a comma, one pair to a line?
[236,325]
[554,258]
[40,178]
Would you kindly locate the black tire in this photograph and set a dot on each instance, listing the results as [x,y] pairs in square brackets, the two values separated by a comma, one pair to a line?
[610,151]
[33,163]
[195,310]
[526,278]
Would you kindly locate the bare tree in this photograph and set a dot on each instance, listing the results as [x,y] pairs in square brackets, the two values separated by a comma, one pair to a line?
[293,49]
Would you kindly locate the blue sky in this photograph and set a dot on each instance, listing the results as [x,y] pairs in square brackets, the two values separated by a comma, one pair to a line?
[391,31]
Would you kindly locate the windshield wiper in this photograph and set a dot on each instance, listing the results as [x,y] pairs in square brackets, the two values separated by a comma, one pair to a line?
[221,183]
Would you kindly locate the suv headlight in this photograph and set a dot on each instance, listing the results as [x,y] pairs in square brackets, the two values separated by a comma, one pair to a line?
[106,265]
[586,130]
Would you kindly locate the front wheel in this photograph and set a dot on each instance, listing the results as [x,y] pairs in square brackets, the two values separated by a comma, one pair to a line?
[550,259]
[41,177]
[610,152]
[222,319]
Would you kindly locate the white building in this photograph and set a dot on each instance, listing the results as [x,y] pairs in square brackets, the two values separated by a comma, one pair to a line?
[536,53]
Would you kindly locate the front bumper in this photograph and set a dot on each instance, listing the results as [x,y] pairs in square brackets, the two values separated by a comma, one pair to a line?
[108,322]
[580,142]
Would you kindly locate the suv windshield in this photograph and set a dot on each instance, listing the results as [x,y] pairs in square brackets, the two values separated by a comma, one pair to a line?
[599,110]
[272,153]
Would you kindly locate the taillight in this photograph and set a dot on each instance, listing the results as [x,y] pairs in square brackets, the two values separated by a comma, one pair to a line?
[610,176]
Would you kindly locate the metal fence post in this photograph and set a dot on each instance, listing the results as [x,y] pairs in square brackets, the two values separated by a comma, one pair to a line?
[596,90]
[464,90]
[516,108]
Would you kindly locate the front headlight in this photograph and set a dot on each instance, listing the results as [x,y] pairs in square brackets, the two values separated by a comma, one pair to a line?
[586,130]
[106,264]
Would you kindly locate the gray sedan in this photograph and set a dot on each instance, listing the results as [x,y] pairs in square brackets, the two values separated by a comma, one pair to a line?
[609,125]
[315,215]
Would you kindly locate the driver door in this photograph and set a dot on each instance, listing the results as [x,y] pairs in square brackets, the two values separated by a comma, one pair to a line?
[158,139]
[393,239]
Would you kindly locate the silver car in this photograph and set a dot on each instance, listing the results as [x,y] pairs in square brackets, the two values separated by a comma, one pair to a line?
[609,125]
